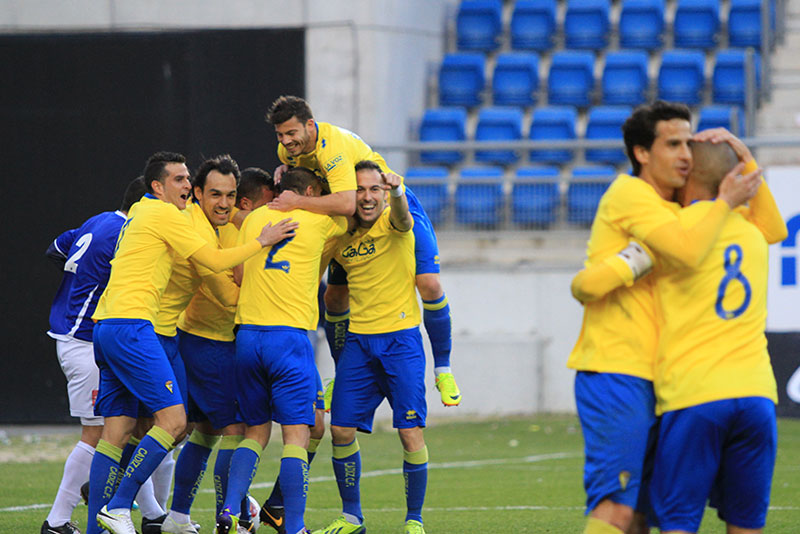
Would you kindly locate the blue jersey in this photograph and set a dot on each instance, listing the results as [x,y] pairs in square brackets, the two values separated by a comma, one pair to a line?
[87,252]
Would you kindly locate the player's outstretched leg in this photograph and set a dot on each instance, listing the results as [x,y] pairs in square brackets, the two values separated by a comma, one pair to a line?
[436,317]
[76,471]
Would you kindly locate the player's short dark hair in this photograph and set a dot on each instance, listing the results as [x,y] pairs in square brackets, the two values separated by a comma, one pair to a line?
[298,179]
[223,164]
[252,181]
[287,106]
[640,128]
[133,193]
[367,164]
[711,163]
[154,168]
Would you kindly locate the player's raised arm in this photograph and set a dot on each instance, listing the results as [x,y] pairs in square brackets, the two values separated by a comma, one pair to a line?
[339,203]
[399,216]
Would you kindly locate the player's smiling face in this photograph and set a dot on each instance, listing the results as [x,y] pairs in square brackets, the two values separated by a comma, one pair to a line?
[217,197]
[666,166]
[370,197]
[176,187]
[297,137]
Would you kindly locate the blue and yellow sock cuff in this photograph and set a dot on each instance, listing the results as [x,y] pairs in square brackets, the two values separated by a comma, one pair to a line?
[433,305]
[203,440]
[417,457]
[230,442]
[162,437]
[251,444]
[596,526]
[107,449]
[313,444]
[133,440]
[337,317]
[294,451]
[348,449]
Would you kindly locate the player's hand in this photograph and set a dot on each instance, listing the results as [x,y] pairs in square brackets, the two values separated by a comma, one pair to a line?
[722,135]
[275,233]
[736,189]
[288,200]
[279,170]
[391,180]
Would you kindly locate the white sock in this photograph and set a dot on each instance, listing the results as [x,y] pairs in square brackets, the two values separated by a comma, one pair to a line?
[350,518]
[439,370]
[147,502]
[76,472]
[162,479]
[179,518]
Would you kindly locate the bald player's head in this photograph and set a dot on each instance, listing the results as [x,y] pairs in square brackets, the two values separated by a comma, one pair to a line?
[711,163]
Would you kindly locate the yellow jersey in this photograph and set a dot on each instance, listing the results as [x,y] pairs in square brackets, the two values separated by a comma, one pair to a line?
[334,157]
[381,273]
[206,316]
[280,284]
[712,319]
[154,232]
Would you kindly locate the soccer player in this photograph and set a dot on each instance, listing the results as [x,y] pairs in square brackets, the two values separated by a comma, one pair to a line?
[383,356]
[85,254]
[133,365]
[332,152]
[275,374]
[615,351]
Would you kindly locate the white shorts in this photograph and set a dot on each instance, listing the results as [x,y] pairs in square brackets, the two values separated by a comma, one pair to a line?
[77,361]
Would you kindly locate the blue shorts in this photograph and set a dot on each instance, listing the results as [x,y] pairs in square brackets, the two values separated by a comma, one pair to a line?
[276,379]
[426,249]
[210,382]
[320,404]
[133,368]
[617,414]
[723,450]
[377,366]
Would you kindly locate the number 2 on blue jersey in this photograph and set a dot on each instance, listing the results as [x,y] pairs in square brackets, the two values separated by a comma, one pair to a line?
[83,243]
[732,272]
[280,265]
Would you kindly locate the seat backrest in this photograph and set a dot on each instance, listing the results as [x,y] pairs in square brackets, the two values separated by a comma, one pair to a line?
[624,78]
[641,24]
[533,24]
[721,116]
[516,79]
[478,24]
[427,173]
[696,23]
[571,78]
[729,76]
[461,79]
[586,24]
[681,76]
[554,122]
[444,124]
[499,124]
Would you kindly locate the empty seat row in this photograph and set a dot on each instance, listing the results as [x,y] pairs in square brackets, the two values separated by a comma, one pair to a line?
[571,79]
[554,123]
[533,24]
[535,196]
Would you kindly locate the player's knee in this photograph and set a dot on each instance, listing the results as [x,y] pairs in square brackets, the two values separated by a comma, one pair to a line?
[173,420]
[318,430]
[337,298]
[412,438]
[429,286]
[342,435]
[618,515]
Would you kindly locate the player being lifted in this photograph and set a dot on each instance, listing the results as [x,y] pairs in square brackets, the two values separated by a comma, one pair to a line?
[332,152]
[615,352]
[85,255]
[383,355]
[133,365]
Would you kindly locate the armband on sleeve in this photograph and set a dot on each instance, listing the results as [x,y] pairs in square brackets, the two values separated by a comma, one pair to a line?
[639,261]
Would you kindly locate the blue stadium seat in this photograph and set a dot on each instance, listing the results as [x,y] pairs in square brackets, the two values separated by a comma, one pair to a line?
[605,122]
[744,23]
[535,196]
[586,24]
[479,197]
[461,79]
[443,124]
[625,77]
[478,24]
[696,24]
[516,79]
[571,78]
[533,25]
[585,190]
[429,185]
[498,124]
[719,116]
[554,123]
[729,79]
[682,76]
[641,24]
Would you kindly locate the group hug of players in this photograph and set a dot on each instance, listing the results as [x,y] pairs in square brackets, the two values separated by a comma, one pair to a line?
[192,304]
[674,386]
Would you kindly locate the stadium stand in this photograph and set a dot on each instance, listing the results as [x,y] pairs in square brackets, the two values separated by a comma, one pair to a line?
[586,24]
[641,24]
[696,24]
[719,116]
[535,196]
[516,79]
[429,184]
[729,77]
[624,78]
[461,79]
[571,78]
[605,122]
[533,25]
[443,124]
[498,124]
[478,25]
[479,197]
[744,23]
[557,123]
[584,192]
[681,77]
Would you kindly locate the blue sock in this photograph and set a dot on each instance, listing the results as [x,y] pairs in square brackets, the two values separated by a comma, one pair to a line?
[189,470]
[294,485]
[103,477]
[275,499]
[222,467]
[336,326]
[148,455]
[415,473]
[436,316]
[244,464]
[347,467]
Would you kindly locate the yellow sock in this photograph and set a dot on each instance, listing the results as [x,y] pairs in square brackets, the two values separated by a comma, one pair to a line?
[596,526]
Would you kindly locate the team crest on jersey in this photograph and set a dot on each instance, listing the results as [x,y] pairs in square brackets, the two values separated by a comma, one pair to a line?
[411,414]
[168,385]
[624,478]
[324,141]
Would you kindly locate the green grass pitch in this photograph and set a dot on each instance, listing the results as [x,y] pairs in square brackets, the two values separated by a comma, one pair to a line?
[511,475]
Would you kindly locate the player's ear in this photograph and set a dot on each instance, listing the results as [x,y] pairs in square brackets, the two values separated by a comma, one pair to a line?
[641,154]
[197,192]
[157,187]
